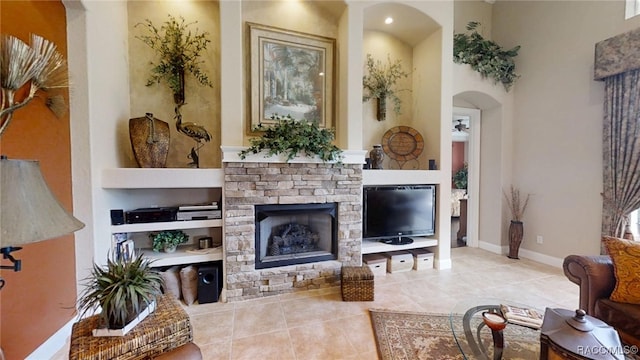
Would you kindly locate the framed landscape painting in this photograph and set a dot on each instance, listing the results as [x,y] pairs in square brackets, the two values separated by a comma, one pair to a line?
[291,74]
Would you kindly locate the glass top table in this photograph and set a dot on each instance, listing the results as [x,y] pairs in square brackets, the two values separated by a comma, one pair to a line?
[475,339]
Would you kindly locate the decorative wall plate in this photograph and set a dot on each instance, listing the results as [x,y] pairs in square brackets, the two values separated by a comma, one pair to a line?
[402,143]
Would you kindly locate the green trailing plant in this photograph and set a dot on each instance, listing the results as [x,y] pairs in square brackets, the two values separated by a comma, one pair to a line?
[380,81]
[168,239]
[460,177]
[122,289]
[485,56]
[291,137]
[178,50]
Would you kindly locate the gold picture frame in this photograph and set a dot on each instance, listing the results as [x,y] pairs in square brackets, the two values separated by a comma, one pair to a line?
[291,73]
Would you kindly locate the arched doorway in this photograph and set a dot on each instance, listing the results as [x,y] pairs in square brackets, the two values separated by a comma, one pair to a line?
[466,133]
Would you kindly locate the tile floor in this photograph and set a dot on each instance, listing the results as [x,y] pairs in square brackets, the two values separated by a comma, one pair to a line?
[318,325]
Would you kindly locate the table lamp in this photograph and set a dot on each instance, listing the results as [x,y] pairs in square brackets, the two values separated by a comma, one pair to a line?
[28,210]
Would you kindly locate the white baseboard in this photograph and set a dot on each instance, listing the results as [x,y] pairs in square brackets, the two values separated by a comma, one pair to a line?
[524,253]
[53,344]
[496,249]
[443,264]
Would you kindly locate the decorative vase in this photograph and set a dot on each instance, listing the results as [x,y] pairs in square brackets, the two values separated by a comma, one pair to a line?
[178,97]
[381,111]
[170,248]
[376,155]
[515,238]
[150,141]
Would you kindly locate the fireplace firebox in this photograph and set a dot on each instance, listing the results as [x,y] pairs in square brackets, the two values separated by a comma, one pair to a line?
[288,234]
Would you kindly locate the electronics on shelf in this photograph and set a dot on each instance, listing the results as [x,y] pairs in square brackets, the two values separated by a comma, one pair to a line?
[148,215]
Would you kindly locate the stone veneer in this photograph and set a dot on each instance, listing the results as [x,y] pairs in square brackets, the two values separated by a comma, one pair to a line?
[254,183]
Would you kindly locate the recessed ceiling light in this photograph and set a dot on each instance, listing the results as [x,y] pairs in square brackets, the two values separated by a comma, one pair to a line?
[388,20]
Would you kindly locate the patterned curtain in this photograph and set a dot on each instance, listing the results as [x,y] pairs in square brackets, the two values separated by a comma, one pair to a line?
[621,151]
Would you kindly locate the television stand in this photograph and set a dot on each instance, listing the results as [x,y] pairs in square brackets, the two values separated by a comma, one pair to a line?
[400,240]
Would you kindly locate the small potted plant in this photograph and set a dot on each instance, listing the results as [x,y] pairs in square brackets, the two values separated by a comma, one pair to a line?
[123,289]
[168,240]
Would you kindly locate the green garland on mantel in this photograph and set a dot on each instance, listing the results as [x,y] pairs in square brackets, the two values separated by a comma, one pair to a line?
[485,56]
[294,137]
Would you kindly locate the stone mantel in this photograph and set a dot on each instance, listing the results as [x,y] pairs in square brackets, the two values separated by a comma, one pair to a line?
[232,154]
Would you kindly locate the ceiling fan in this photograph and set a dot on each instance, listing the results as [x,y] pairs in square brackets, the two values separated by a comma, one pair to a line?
[461,126]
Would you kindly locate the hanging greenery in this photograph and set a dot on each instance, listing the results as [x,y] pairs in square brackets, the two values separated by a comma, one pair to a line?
[485,56]
[290,136]
[178,51]
[380,81]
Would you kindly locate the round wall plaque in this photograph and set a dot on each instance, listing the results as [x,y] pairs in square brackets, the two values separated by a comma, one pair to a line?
[402,143]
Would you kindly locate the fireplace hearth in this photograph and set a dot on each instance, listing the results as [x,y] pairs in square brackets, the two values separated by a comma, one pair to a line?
[295,234]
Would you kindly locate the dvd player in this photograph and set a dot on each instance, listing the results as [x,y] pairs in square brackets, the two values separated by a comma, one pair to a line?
[149,215]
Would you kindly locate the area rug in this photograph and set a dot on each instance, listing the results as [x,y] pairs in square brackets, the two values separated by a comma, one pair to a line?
[403,335]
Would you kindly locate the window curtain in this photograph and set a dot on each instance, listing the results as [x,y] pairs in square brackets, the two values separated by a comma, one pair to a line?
[621,151]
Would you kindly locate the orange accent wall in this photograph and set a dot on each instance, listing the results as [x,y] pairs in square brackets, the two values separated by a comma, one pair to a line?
[37,301]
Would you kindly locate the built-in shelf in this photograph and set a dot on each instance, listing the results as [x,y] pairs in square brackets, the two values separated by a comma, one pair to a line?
[161,178]
[372,246]
[394,177]
[181,256]
[169,225]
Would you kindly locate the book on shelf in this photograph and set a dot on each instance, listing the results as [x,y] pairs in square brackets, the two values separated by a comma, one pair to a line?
[522,315]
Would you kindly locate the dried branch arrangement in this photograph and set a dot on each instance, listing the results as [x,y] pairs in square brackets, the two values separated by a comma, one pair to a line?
[380,81]
[39,67]
[517,205]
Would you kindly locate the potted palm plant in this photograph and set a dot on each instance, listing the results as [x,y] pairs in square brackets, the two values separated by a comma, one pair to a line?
[168,240]
[123,290]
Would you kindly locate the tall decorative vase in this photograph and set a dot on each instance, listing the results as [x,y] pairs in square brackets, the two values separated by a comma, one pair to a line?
[376,155]
[150,141]
[381,111]
[516,232]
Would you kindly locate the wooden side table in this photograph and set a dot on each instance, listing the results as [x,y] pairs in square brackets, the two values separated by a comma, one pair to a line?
[167,328]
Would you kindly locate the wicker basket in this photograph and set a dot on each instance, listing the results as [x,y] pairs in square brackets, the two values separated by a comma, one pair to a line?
[357,283]
[165,329]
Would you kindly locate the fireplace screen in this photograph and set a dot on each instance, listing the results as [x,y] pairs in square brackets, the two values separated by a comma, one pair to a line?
[295,234]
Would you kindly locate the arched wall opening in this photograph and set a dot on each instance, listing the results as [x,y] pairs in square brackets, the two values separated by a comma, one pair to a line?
[418,49]
[490,170]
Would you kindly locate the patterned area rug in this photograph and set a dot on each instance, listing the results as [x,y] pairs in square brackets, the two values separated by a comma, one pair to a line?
[404,335]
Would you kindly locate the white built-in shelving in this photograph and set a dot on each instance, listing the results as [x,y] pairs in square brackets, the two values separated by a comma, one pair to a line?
[182,256]
[131,188]
[373,246]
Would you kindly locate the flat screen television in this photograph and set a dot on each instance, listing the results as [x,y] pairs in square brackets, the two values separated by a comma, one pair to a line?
[394,213]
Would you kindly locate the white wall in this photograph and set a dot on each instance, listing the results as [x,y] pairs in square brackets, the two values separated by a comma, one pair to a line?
[98,105]
[558,109]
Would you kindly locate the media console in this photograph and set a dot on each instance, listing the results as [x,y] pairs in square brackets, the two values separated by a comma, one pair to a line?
[375,246]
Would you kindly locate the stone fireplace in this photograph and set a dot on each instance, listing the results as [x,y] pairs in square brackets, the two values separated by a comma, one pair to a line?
[253,189]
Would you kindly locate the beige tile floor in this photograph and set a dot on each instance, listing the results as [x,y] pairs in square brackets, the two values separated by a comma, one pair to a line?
[317,324]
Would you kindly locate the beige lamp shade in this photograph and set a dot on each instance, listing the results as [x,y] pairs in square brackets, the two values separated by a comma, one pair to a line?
[29,212]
